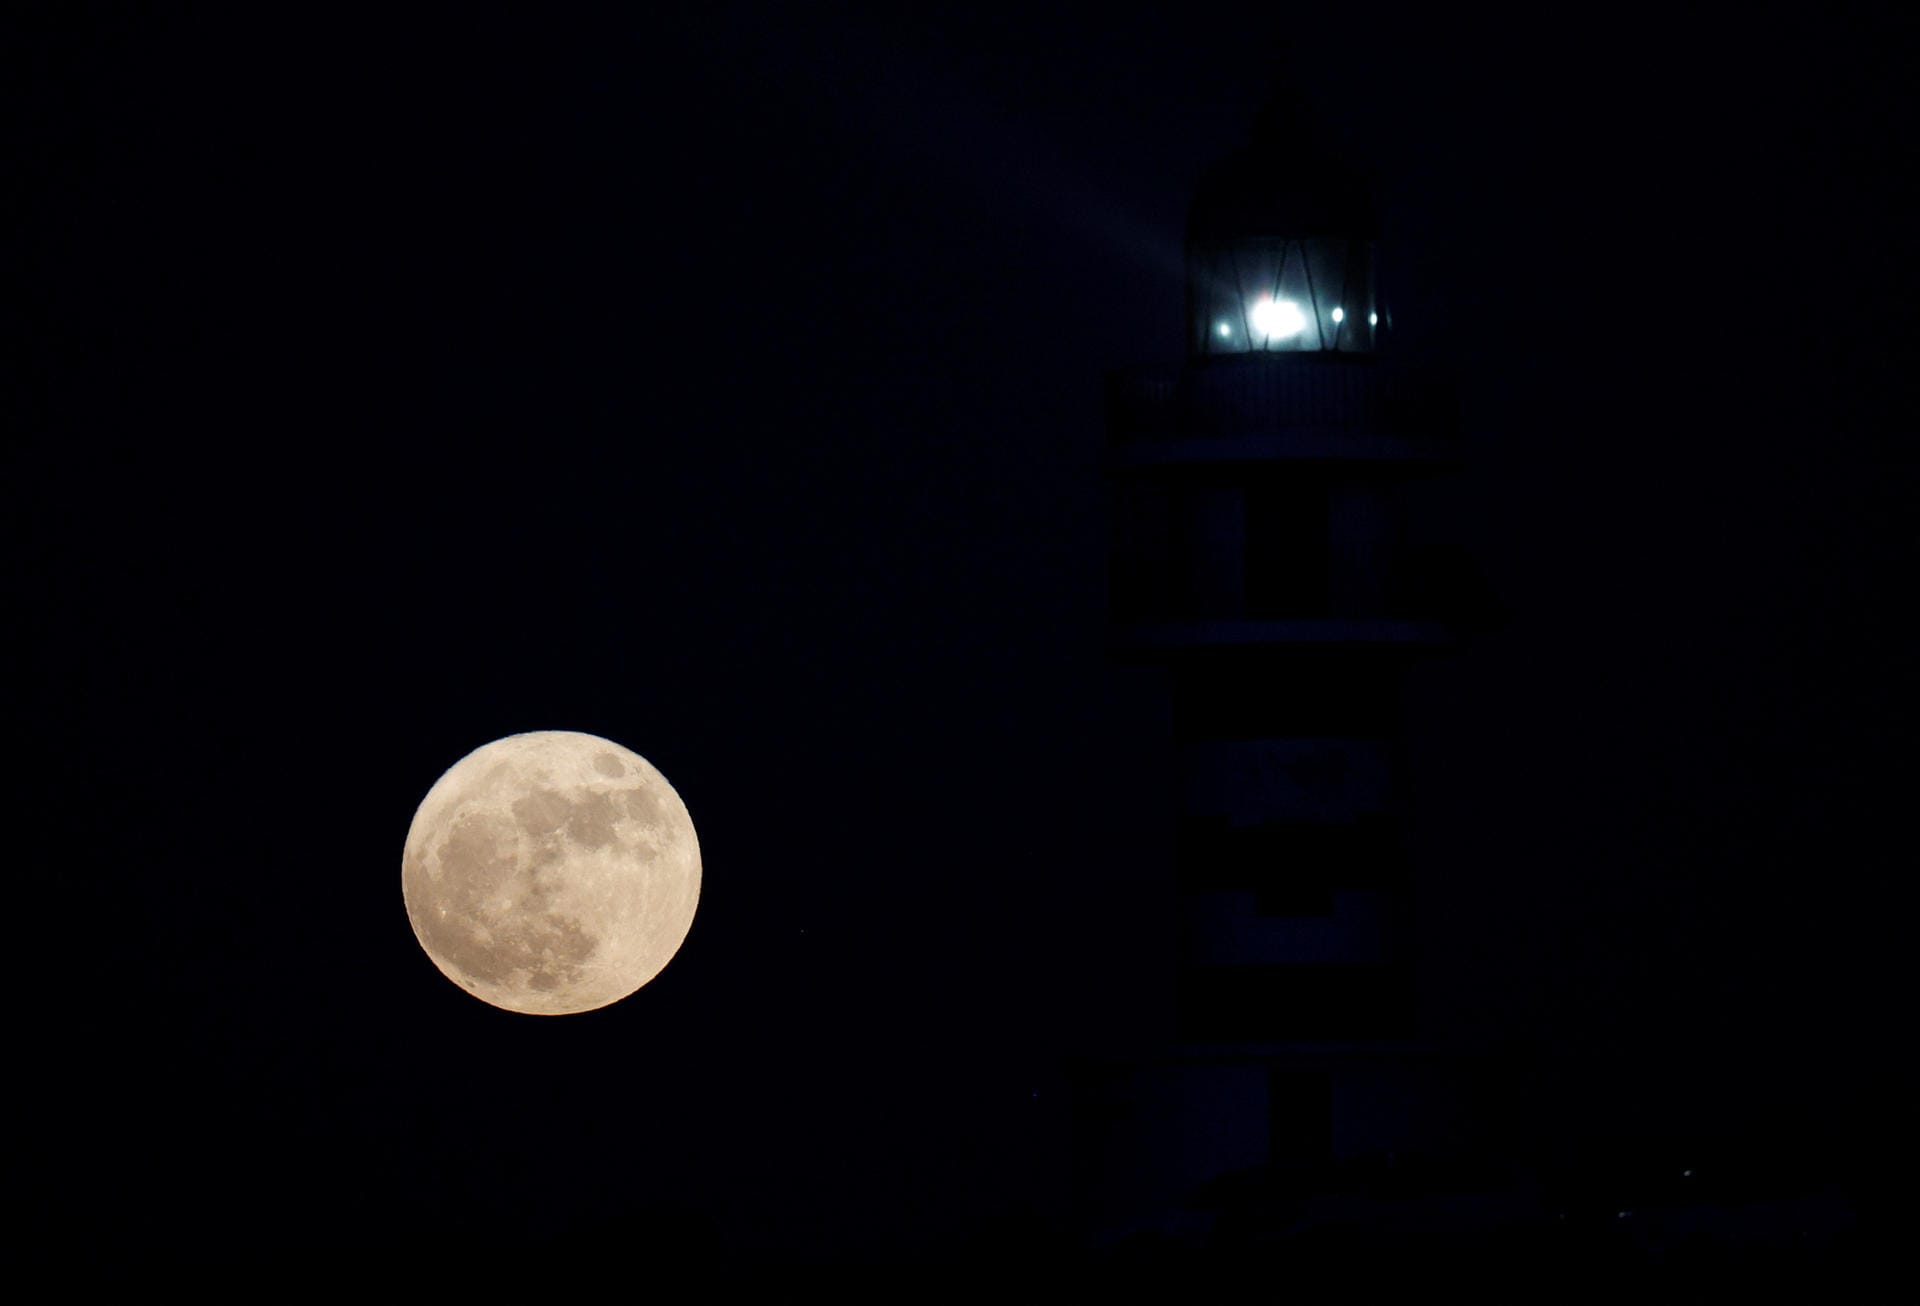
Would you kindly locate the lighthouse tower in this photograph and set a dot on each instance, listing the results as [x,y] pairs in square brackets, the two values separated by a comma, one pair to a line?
[1268,498]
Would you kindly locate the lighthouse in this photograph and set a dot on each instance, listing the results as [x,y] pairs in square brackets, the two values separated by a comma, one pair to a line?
[1271,498]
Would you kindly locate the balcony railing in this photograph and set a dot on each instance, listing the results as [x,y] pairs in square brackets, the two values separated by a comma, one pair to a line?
[1263,395]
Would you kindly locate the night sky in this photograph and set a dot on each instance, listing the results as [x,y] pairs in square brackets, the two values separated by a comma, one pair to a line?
[727,381]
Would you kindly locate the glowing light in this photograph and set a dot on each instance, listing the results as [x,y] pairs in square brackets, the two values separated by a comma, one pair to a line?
[1373,319]
[1224,330]
[1339,314]
[1278,318]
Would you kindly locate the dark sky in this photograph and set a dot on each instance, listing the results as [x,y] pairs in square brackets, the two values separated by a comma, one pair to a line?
[728,382]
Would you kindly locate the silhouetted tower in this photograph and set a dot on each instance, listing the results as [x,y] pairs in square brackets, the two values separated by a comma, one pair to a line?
[1268,555]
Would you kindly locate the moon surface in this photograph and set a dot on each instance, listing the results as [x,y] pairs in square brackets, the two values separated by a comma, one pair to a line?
[551,872]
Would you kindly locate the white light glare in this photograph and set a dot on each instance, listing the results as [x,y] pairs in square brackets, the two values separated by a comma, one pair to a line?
[1373,319]
[1278,318]
[1339,314]
[1224,330]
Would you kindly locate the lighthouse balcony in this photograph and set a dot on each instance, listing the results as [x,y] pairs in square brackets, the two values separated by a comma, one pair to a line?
[1174,637]
[1263,408]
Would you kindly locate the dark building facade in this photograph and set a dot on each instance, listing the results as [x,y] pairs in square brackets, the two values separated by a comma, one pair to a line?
[1272,497]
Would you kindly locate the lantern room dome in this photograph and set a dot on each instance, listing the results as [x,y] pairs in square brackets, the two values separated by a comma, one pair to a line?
[1281,183]
[1280,248]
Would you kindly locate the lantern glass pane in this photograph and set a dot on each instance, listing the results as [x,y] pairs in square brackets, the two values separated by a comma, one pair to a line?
[1312,294]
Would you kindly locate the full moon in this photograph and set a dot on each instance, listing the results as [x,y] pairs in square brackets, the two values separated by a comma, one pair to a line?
[551,872]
